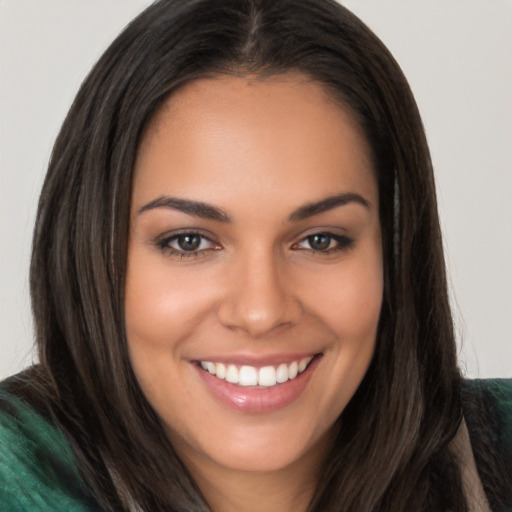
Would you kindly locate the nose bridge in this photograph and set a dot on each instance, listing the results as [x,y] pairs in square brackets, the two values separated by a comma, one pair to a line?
[258,298]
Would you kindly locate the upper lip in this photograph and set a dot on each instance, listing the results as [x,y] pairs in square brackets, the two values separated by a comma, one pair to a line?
[256,360]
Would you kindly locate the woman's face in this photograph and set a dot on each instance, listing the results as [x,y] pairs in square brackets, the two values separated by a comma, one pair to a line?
[254,281]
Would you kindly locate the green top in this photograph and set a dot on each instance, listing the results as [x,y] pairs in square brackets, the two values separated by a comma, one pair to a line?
[38,470]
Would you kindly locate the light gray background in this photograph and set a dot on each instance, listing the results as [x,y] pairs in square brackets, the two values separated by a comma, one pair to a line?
[457,55]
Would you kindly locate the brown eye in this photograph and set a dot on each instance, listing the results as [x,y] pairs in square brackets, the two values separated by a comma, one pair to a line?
[319,241]
[188,241]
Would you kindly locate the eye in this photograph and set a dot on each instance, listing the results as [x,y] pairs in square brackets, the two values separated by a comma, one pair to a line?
[325,242]
[186,244]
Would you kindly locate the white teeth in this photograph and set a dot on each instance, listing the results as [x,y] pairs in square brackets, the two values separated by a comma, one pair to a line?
[232,374]
[282,373]
[267,376]
[293,370]
[220,370]
[303,363]
[248,376]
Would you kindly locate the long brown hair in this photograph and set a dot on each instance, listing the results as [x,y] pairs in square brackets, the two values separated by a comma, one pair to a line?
[391,452]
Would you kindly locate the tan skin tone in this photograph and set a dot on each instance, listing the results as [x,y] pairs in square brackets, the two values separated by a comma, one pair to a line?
[266,278]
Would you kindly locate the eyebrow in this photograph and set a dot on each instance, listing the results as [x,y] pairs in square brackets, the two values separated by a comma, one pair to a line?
[196,208]
[207,211]
[329,203]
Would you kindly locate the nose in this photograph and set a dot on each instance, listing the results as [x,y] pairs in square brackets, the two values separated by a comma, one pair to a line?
[258,298]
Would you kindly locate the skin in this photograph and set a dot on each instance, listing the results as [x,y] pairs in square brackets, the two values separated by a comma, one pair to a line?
[258,150]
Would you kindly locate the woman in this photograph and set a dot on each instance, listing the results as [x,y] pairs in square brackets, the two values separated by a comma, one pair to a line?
[238,284]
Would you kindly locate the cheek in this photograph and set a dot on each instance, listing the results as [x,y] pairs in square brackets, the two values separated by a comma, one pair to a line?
[161,306]
[351,310]
[162,309]
[349,300]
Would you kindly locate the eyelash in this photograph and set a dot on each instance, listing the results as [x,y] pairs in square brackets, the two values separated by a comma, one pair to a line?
[343,243]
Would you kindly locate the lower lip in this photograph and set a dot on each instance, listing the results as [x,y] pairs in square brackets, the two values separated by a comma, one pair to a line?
[257,400]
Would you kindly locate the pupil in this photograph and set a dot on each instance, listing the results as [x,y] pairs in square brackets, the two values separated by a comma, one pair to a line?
[319,242]
[189,242]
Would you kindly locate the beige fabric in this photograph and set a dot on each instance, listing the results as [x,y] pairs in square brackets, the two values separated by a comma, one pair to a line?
[473,488]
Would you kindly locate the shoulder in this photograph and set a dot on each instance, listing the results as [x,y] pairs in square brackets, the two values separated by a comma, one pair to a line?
[489,401]
[38,470]
[501,389]
[487,405]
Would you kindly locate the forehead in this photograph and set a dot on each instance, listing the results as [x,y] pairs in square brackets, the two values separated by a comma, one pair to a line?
[213,136]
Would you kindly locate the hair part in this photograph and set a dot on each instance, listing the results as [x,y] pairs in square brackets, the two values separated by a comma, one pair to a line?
[391,448]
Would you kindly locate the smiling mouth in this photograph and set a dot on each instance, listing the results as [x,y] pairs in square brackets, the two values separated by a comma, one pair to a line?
[251,376]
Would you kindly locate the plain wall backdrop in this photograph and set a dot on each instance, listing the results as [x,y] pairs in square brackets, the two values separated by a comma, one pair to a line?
[457,55]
